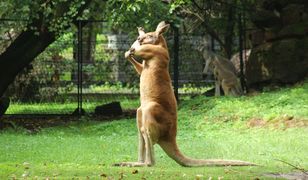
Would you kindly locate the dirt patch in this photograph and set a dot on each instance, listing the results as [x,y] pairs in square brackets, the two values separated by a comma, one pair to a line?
[256,122]
[36,122]
[283,122]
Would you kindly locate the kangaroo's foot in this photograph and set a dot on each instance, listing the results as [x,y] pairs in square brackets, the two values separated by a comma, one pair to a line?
[133,164]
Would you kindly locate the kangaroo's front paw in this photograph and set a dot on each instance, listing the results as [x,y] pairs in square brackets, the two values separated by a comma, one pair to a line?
[129,53]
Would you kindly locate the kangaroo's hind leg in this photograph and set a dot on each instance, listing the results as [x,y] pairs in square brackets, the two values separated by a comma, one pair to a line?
[141,145]
[148,135]
[217,87]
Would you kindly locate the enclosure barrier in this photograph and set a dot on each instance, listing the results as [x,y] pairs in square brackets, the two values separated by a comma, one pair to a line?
[85,68]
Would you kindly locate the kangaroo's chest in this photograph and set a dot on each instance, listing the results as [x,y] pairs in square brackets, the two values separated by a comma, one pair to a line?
[155,84]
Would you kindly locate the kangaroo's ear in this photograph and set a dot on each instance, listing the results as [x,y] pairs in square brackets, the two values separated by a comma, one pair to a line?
[141,31]
[162,27]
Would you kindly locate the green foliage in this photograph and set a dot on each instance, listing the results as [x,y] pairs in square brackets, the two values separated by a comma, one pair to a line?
[25,86]
[115,88]
[16,8]
[127,15]
[193,89]
[56,15]
[178,3]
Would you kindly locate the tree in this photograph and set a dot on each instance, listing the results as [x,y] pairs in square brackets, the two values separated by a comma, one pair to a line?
[43,22]
[217,18]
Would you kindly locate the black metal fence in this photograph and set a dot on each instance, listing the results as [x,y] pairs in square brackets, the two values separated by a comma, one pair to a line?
[86,67]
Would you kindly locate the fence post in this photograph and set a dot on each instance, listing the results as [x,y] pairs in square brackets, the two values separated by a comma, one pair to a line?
[176,62]
[212,47]
[245,88]
[80,111]
[240,27]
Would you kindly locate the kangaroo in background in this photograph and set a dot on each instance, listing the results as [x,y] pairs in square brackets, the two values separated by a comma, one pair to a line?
[157,115]
[224,72]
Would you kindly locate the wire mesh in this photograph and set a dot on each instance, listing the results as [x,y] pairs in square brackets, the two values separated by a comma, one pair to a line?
[95,72]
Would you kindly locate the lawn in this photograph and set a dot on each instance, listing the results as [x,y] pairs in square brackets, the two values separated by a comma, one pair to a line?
[265,128]
[67,107]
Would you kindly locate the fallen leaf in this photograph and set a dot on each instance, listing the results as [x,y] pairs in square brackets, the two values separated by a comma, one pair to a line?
[199,176]
[55,174]
[103,175]
[135,171]
[13,176]
[121,176]
[26,165]
[25,174]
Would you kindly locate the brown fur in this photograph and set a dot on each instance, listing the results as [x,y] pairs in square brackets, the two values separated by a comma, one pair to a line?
[157,115]
[224,73]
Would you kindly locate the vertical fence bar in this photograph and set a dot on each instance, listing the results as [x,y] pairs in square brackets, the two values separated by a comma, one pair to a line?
[176,62]
[212,46]
[78,66]
[240,27]
[80,111]
[245,89]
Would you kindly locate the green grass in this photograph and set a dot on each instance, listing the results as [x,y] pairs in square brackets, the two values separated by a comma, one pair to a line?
[269,106]
[67,107]
[208,128]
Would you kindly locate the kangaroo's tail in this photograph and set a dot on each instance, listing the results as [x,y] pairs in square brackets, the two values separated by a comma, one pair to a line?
[173,152]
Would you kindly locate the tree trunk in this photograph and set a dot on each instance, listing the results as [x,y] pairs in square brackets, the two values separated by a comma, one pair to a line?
[27,46]
[20,53]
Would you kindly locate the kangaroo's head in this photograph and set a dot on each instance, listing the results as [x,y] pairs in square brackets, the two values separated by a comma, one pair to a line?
[153,37]
[210,62]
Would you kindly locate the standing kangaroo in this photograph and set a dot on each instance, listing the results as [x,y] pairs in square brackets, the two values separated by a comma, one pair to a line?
[224,72]
[157,115]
